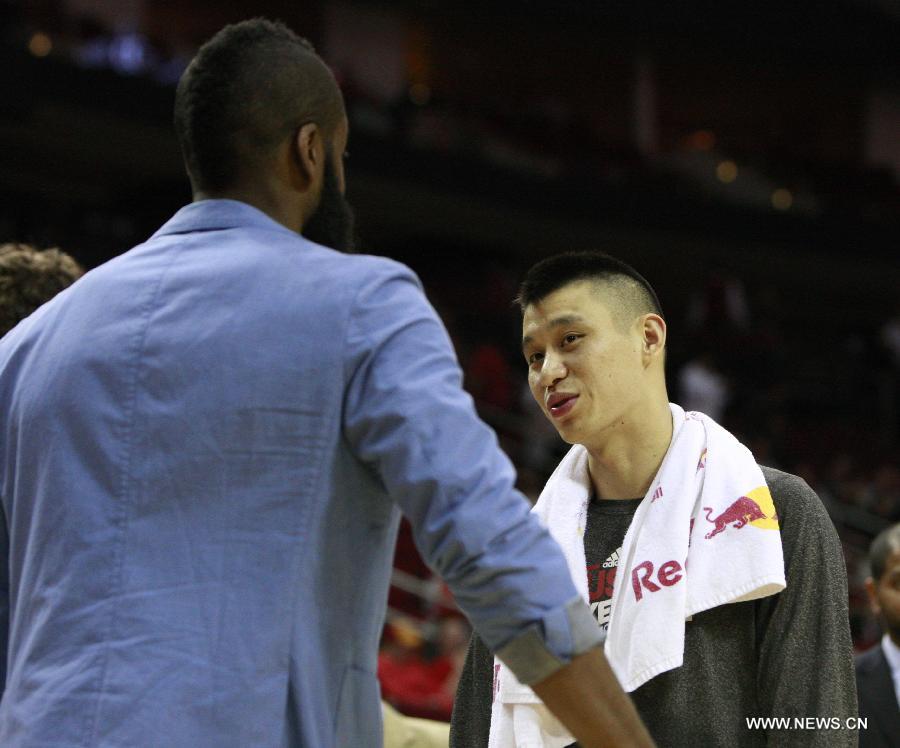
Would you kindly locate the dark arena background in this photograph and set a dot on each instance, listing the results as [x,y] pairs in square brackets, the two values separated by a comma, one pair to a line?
[744,156]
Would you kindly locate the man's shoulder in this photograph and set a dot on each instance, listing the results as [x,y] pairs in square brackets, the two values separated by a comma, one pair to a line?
[813,557]
[790,493]
[340,276]
[359,269]
[784,482]
[802,517]
[376,266]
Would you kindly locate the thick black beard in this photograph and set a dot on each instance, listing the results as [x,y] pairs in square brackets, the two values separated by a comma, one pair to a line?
[333,224]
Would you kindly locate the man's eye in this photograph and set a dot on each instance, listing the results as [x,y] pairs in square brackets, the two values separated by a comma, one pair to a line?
[535,358]
[570,338]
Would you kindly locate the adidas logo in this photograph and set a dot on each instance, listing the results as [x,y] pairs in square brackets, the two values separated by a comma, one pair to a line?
[612,561]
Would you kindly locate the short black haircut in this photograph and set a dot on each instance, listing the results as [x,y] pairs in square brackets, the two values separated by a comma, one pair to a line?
[886,543]
[635,295]
[249,87]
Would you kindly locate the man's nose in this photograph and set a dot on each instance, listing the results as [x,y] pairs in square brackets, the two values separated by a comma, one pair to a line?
[552,370]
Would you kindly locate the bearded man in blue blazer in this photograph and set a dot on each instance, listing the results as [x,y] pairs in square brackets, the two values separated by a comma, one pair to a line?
[206,444]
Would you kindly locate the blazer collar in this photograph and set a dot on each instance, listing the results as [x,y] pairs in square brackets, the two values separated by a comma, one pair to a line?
[212,215]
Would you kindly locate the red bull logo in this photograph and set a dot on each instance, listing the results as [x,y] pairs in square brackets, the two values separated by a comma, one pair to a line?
[741,512]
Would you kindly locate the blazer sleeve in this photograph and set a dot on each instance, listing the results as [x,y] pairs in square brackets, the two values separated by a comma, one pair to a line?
[406,415]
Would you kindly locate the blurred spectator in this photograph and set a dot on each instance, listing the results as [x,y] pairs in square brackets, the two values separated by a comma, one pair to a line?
[419,679]
[29,277]
[702,387]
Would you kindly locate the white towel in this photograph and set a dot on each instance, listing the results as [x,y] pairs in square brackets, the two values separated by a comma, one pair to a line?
[707,491]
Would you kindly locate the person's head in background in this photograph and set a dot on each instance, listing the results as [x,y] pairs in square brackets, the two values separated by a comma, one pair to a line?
[30,277]
[260,119]
[883,586]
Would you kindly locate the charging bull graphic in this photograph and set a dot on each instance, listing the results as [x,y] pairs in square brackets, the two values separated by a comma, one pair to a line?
[756,508]
[740,512]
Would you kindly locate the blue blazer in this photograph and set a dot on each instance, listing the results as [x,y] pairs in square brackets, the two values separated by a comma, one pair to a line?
[204,444]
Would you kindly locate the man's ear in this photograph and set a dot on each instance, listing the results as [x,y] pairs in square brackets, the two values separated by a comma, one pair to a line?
[653,332]
[308,151]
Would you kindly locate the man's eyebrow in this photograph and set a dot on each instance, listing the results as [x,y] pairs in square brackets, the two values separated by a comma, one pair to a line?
[557,322]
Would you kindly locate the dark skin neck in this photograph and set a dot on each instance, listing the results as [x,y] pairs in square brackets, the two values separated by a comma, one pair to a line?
[280,188]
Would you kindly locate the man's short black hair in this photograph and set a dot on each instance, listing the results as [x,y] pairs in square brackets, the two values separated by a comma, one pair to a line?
[886,543]
[248,88]
[636,295]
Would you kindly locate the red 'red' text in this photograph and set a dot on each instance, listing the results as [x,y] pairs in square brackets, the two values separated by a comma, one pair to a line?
[667,575]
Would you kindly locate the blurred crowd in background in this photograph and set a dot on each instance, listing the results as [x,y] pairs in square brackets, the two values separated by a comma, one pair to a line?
[748,167]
